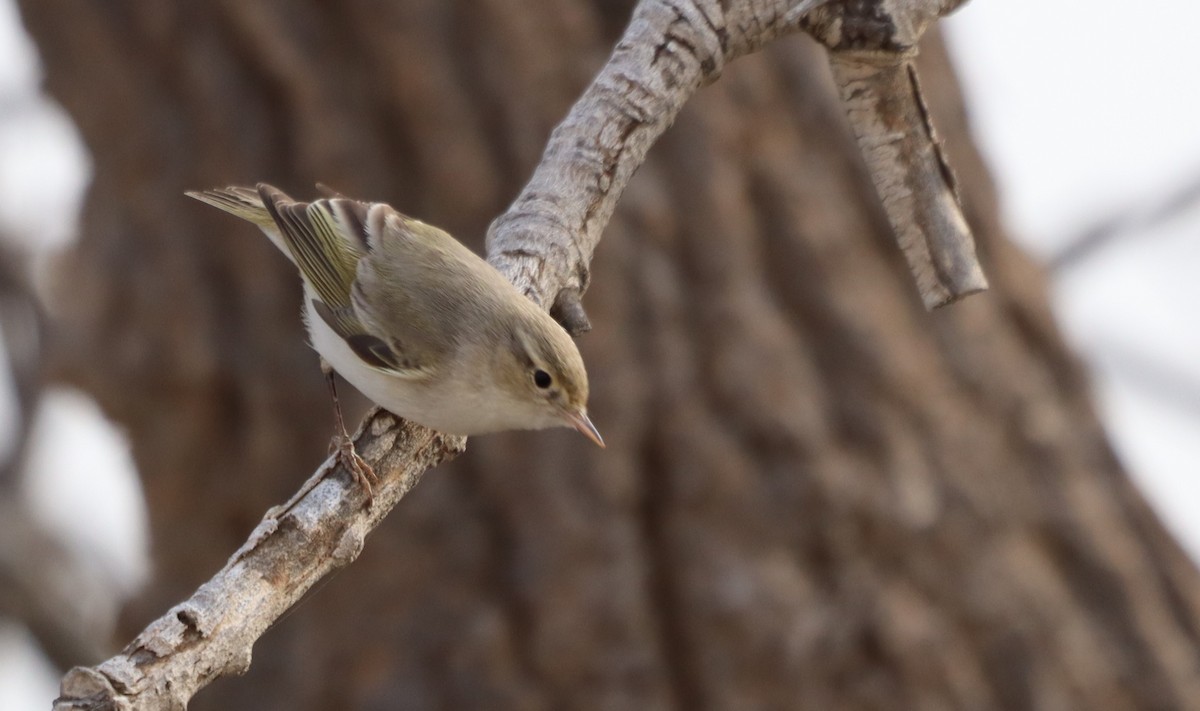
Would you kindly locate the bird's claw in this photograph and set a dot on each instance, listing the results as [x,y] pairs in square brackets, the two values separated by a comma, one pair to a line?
[349,458]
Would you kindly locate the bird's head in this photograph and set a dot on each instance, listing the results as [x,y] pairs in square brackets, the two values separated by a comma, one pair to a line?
[544,376]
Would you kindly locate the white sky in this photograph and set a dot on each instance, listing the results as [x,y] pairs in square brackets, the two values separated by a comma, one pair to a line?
[1082,107]
[1085,110]
[1088,110]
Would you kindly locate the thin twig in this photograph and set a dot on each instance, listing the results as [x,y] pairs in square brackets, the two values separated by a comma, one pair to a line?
[1129,223]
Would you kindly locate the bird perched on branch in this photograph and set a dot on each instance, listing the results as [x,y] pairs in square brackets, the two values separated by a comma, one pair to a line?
[416,321]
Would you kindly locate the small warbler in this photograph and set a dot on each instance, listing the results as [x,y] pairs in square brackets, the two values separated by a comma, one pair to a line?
[417,322]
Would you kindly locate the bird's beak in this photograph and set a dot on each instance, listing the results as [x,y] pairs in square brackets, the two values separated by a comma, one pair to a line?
[579,420]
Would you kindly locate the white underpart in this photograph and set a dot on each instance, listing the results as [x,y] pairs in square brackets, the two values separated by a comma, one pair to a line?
[453,400]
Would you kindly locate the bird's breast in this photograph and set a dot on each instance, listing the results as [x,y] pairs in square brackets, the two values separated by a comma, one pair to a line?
[450,399]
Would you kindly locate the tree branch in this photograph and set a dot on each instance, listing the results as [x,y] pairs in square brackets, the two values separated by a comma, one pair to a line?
[319,530]
[1129,222]
[872,46]
[544,244]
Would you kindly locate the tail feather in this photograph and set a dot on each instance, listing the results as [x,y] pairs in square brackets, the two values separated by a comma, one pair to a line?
[325,239]
[328,192]
[242,202]
[246,204]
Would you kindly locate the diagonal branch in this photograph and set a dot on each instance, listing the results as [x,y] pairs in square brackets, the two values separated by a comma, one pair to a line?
[1129,222]
[872,47]
[321,529]
[544,245]
[544,242]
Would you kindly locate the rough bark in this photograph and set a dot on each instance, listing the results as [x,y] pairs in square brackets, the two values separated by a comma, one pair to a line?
[815,494]
[545,240]
[319,530]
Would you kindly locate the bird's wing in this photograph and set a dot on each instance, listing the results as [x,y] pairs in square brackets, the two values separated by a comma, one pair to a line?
[335,242]
[325,248]
[418,285]
[327,239]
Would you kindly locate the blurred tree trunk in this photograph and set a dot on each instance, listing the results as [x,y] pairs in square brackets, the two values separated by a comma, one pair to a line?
[815,495]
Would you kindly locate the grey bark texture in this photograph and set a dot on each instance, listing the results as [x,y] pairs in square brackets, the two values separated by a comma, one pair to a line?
[212,633]
[544,241]
[816,494]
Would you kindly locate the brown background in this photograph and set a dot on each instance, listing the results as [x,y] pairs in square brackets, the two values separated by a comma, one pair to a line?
[815,494]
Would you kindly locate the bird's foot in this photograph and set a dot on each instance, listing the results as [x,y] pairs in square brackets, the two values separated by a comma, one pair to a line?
[343,447]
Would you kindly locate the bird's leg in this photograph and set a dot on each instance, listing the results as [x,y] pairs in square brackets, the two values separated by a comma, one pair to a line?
[343,445]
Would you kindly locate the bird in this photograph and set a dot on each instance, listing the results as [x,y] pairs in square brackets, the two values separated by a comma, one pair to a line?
[416,321]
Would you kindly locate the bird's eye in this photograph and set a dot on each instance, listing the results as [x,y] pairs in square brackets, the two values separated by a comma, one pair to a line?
[541,379]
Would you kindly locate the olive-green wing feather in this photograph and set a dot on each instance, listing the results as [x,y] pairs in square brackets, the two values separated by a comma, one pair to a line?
[421,287]
[246,204]
[327,259]
[326,239]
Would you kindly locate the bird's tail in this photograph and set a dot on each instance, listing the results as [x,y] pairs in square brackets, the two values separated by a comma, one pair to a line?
[246,204]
